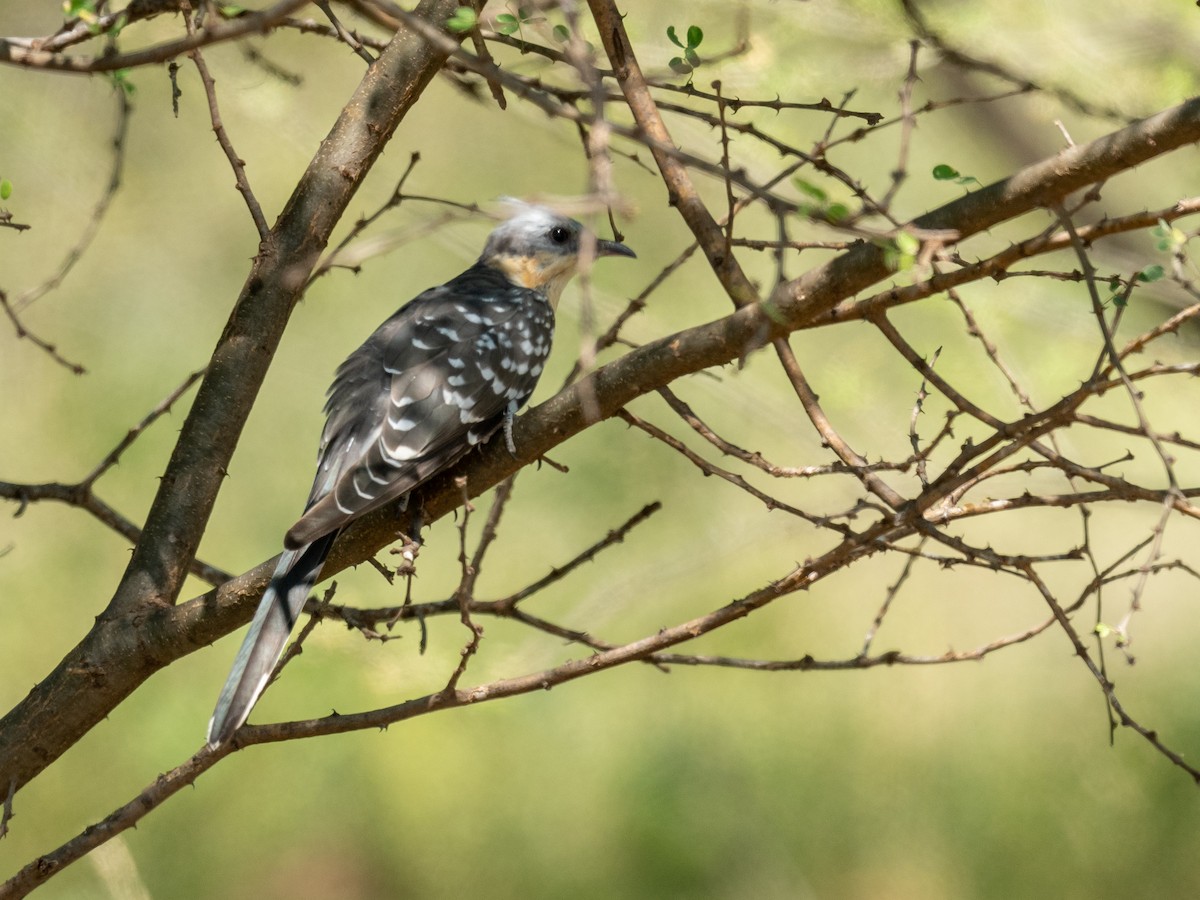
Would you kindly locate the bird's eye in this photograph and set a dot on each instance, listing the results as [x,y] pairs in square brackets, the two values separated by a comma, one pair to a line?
[559,234]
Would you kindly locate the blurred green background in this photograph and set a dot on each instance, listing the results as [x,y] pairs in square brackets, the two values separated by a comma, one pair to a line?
[976,780]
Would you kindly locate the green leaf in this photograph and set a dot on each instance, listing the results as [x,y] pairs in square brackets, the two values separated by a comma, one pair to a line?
[80,9]
[811,189]
[561,34]
[678,65]
[1151,273]
[1102,630]
[900,252]
[673,38]
[944,172]
[464,19]
[1169,237]
[507,23]
[907,244]
[694,36]
[232,10]
[837,212]
[692,57]
[120,78]
[5,188]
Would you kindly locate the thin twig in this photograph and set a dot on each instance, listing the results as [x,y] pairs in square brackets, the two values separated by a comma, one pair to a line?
[348,37]
[218,127]
[92,228]
[464,594]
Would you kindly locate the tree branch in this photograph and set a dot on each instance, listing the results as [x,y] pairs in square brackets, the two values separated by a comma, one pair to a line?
[116,655]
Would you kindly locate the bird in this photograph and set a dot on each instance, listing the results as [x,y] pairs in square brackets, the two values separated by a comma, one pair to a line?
[443,374]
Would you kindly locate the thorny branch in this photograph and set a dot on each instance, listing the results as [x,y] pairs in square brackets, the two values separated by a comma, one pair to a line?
[82,493]
[13,308]
[236,162]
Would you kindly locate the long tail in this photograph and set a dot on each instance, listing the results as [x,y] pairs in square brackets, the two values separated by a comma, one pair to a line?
[277,613]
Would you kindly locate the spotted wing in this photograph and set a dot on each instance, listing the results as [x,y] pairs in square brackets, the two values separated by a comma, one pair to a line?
[434,380]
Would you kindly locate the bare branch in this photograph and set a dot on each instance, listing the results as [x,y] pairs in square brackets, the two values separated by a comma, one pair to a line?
[235,161]
[23,52]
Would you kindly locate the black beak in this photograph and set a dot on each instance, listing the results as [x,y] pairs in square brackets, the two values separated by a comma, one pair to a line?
[613,248]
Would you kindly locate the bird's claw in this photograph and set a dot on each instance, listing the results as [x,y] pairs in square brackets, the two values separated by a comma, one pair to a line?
[510,416]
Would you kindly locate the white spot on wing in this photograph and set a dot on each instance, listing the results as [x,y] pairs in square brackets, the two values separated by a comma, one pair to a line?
[397,454]
[405,424]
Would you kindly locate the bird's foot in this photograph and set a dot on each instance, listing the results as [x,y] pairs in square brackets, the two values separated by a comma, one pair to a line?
[510,416]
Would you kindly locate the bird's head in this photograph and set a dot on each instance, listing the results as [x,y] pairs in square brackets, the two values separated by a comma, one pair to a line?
[539,248]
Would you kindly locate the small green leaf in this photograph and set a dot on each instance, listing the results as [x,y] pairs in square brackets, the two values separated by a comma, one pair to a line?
[5,188]
[232,10]
[507,23]
[900,252]
[561,34]
[944,172]
[120,78]
[907,244]
[1102,630]
[692,57]
[1169,237]
[80,9]
[694,36]
[464,19]
[811,189]
[678,65]
[674,40]
[1151,273]
[837,212]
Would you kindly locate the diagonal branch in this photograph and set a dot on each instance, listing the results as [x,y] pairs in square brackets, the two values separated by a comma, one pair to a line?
[36,731]
[806,302]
